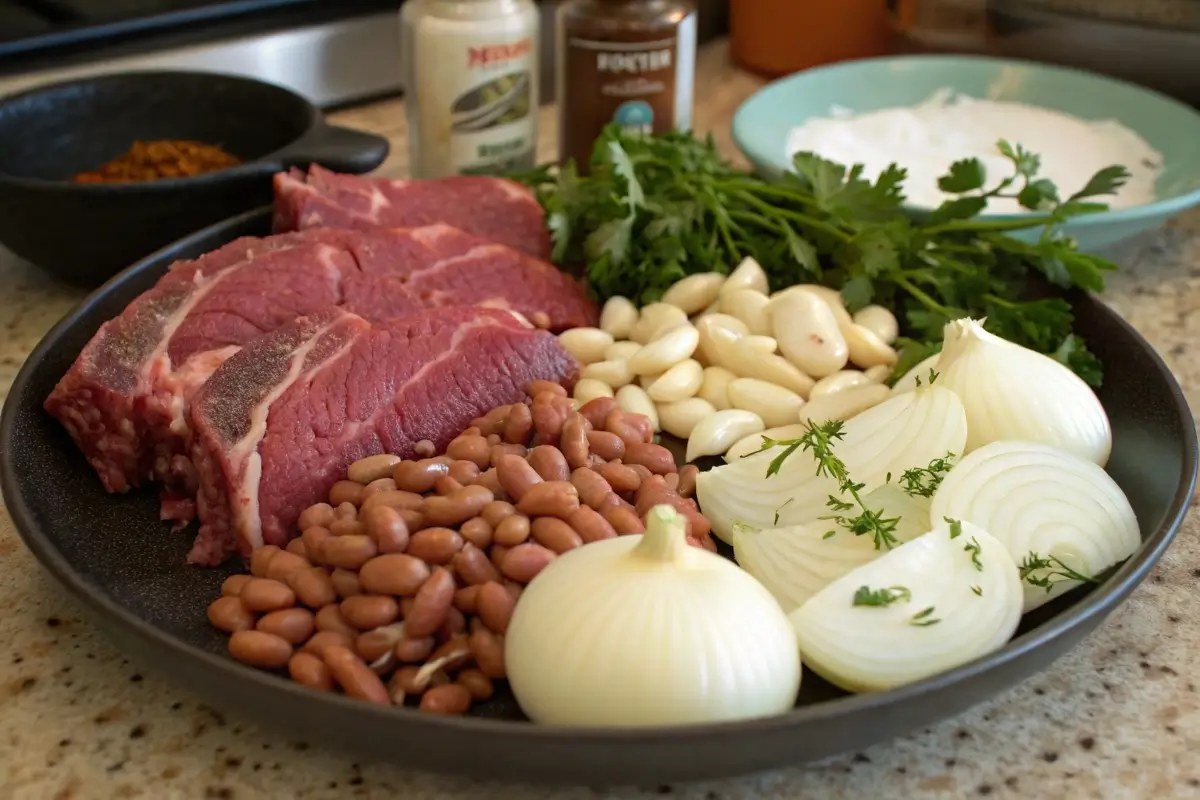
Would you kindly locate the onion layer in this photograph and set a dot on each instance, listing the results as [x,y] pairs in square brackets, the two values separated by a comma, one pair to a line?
[1042,500]
[949,600]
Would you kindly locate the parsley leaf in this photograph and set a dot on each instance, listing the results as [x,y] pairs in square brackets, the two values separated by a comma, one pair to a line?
[964,176]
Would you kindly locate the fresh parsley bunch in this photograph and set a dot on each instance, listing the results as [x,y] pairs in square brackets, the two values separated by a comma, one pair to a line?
[654,209]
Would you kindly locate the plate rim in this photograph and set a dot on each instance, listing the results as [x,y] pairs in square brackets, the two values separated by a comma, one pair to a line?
[1092,608]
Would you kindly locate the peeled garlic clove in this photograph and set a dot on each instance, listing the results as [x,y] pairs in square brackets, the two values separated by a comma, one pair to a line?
[663,353]
[586,629]
[879,373]
[621,351]
[695,292]
[845,404]
[832,298]
[797,561]
[615,373]
[774,404]
[714,434]
[750,307]
[1040,500]
[838,381]
[678,383]
[656,319]
[754,442]
[909,380]
[866,349]
[1013,393]
[715,387]
[744,360]
[956,597]
[762,344]
[586,345]
[618,317]
[901,433]
[879,321]
[634,400]
[748,275]
[808,333]
[707,348]
[587,389]
[681,417]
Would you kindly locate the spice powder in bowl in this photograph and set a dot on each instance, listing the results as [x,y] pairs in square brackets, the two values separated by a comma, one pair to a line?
[159,159]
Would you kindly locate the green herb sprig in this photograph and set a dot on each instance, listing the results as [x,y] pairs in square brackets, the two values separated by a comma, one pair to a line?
[923,618]
[1046,572]
[866,596]
[924,481]
[653,209]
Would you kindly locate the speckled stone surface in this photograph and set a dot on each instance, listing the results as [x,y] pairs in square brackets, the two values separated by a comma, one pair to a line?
[1118,717]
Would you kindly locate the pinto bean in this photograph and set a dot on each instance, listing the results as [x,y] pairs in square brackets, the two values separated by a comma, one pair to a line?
[488,651]
[433,601]
[624,520]
[512,531]
[435,545]
[313,538]
[473,566]
[549,413]
[466,599]
[294,625]
[265,594]
[519,425]
[318,515]
[590,526]
[516,476]
[232,586]
[687,480]
[497,553]
[322,639]
[377,487]
[608,446]
[346,511]
[596,411]
[490,480]
[347,552]
[395,573]
[549,463]
[260,649]
[464,472]
[419,476]
[574,442]
[261,558]
[655,491]
[454,624]
[346,492]
[330,619]
[632,428]
[398,499]
[284,564]
[620,477]
[413,650]
[525,561]
[496,511]
[473,448]
[307,669]
[367,612]
[555,534]
[479,685]
[451,699]
[537,387]
[374,645]
[477,531]
[296,548]
[313,587]
[550,499]
[446,485]
[456,508]
[495,606]
[414,520]
[354,676]
[385,527]
[591,486]
[227,613]
[345,583]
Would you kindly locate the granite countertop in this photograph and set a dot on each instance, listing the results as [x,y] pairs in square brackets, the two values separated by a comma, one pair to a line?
[1118,717]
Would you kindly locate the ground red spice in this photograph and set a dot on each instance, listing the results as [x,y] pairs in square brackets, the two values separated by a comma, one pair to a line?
[167,158]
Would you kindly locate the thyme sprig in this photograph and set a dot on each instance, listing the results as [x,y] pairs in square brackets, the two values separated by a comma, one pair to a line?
[924,481]
[1046,572]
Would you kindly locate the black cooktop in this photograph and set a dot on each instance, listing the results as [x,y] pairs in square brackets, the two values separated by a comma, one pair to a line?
[37,29]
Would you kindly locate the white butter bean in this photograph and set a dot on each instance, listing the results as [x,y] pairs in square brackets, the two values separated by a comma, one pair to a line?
[746,362]
[748,275]
[667,351]
[808,333]
[831,297]
[845,404]
[761,344]
[753,443]
[879,321]
[713,435]
[750,307]
[634,400]
[774,404]
[621,351]
[587,345]
[866,349]
[656,319]
[678,383]
[715,387]
[879,373]
[681,417]
[615,373]
[618,317]
[587,389]
[706,323]
[695,292]
[839,381]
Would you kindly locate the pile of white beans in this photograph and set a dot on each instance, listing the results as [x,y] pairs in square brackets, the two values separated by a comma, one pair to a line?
[720,363]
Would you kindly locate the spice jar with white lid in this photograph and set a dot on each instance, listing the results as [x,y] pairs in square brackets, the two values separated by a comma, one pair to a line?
[631,62]
[471,85]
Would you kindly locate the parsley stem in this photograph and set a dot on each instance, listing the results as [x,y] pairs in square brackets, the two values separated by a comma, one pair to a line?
[989,225]
[803,219]
[922,297]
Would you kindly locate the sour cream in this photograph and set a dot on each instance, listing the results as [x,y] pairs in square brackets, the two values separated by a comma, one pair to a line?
[927,138]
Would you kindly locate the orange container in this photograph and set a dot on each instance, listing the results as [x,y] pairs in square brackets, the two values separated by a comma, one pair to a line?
[778,37]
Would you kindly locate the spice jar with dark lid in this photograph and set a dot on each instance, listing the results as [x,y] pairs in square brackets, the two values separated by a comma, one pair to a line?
[631,62]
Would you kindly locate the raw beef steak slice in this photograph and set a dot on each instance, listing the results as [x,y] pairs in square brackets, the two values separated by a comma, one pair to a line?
[494,208]
[124,400]
[278,424]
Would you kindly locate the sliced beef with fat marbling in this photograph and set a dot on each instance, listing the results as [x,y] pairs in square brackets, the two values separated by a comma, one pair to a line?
[278,424]
[495,208]
[124,400]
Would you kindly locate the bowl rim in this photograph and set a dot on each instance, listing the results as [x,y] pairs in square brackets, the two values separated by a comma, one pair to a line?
[1161,207]
[1095,606]
[247,168]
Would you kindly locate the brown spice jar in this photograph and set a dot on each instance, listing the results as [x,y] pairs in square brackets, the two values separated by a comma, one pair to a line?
[625,61]
[778,37]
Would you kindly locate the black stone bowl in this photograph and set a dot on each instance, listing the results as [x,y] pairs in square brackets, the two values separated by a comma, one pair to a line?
[84,233]
[127,570]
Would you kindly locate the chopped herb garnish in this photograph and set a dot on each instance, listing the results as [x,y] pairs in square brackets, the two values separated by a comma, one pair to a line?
[974,549]
[924,481]
[922,619]
[781,508]
[866,596]
[978,590]
[818,440]
[1052,571]
[955,527]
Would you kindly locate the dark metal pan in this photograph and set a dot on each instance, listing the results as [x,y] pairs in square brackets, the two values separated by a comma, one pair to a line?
[127,569]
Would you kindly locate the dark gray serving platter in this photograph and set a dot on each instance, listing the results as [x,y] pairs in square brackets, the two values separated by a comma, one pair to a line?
[128,571]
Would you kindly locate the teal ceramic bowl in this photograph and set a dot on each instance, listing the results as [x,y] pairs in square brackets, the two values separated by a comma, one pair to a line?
[762,124]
